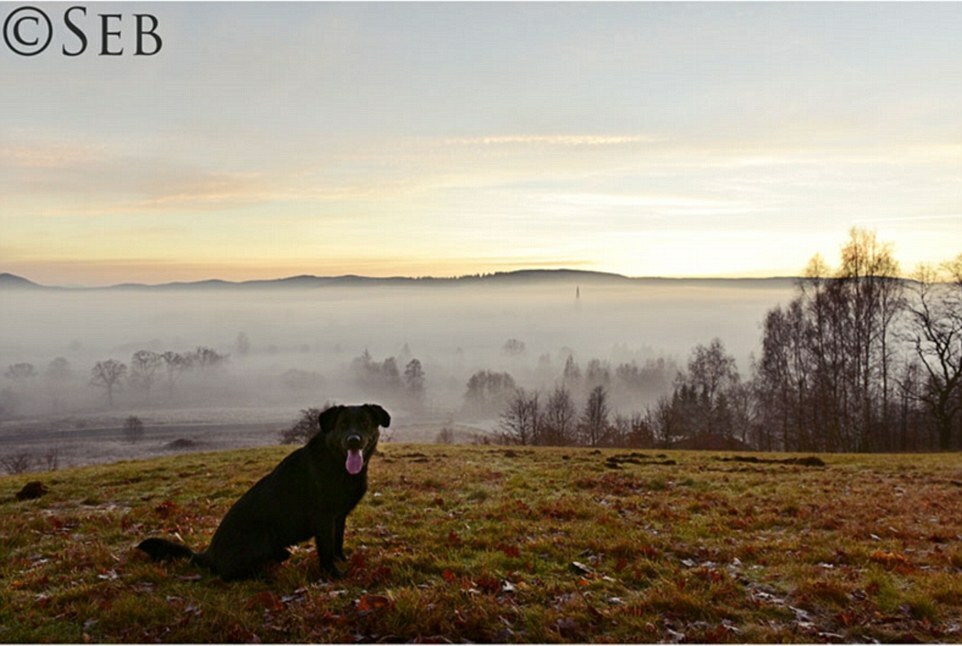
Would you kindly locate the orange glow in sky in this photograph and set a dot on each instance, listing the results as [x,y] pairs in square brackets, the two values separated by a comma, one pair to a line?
[670,139]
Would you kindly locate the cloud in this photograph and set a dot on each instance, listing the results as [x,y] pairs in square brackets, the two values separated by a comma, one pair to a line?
[662,204]
[912,218]
[551,140]
[48,156]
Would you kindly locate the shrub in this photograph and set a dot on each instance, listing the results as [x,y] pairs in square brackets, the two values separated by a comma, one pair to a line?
[445,435]
[133,429]
[306,426]
[16,463]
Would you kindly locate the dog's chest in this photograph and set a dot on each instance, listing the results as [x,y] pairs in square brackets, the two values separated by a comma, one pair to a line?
[337,492]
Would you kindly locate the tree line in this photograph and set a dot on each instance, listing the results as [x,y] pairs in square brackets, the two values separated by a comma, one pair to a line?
[145,370]
[384,378]
[859,360]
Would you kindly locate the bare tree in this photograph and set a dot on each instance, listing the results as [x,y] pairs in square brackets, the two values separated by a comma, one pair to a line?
[780,381]
[594,418]
[869,276]
[57,374]
[646,382]
[571,376]
[21,374]
[824,380]
[133,429]
[174,364]
[712,374]
[414,381]
[633,431]
[488,391]
[597,374]
[936,337]
[21,371]
[108,375]
[380,377]
[445,435]
[912,428]
[662,419]
[144,365]
[16,463]
[51,458]
[205,357]
[520,421]
[560,418]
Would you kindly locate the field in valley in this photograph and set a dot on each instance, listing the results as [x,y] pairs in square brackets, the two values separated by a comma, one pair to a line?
[506,544]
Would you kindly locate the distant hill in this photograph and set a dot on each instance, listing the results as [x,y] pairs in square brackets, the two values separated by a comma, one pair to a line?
[11,281]
[547,275]
[520,277]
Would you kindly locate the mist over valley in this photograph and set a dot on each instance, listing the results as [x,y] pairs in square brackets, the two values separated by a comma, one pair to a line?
[282,346]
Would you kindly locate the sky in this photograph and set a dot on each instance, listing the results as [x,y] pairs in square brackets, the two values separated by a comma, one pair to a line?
[648,139]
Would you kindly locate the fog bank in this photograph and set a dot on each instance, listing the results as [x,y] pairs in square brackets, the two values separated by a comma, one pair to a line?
[291,348]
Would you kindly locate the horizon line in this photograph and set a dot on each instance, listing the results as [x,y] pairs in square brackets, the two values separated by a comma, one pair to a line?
[348,276]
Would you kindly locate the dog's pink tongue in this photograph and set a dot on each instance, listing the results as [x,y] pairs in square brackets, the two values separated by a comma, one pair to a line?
[355,461]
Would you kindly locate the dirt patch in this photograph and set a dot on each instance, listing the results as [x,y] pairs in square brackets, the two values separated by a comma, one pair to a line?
[414,456]
[810,461]
[32,490]
[615,461]
[181,444]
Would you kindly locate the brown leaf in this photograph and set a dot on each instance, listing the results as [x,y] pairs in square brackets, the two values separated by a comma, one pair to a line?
[510,550]
[265,599]
[165,509]
[888,559]
[372,603]
[488,584]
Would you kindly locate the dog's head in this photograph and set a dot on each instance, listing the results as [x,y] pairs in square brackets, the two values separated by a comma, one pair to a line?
[352,432]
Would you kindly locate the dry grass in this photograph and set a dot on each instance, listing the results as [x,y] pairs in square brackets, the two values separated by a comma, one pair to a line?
[507,545]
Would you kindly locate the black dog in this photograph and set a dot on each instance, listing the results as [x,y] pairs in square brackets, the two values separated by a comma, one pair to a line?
[308,495]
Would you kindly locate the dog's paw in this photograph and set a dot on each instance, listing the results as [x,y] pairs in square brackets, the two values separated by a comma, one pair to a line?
[333,574]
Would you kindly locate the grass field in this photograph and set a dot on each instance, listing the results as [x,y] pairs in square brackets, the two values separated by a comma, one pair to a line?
[507,545]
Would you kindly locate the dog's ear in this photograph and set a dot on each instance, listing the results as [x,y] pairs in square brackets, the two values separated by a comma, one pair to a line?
[383,419]
[328,418]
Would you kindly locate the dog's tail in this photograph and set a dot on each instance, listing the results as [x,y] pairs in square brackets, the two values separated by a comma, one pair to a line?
[160,549]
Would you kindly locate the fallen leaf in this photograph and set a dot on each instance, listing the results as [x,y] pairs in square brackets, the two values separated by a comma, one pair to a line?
[488,584]
[510,550]
[371,603]
[888,559]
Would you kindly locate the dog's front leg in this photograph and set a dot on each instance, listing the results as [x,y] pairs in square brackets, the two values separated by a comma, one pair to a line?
[339,537]
[324,540]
